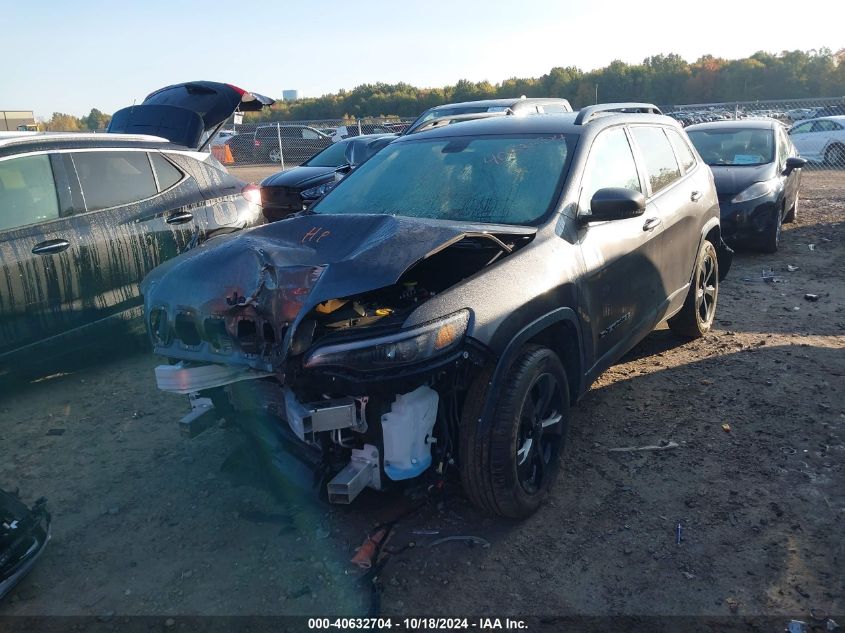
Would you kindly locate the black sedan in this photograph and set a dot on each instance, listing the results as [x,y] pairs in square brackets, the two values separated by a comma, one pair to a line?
[85,217]
[757,173]
[293,190]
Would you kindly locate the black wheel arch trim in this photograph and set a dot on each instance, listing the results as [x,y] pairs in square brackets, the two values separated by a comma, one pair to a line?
[511,352]
[724,253]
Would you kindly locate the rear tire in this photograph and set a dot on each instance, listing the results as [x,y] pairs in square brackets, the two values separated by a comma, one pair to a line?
[699,311]
[835,156]
[508,467]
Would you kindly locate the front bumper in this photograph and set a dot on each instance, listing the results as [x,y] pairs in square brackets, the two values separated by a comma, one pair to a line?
[748,222]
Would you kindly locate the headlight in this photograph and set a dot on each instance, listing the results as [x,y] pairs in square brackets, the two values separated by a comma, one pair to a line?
[318,192]
[757,190]
[409,346]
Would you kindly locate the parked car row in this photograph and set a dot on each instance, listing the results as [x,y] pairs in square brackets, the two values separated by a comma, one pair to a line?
[294,143]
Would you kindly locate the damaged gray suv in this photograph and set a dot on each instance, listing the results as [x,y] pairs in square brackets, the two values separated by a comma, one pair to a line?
[445,304]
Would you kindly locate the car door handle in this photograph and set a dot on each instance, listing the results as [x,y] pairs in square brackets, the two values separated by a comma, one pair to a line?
[180,217]
[695,196]
[50,246]
[651,224]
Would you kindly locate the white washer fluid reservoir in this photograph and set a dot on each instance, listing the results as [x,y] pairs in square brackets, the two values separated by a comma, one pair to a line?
[407,431]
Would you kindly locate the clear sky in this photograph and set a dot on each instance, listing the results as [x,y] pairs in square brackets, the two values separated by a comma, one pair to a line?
[72,55]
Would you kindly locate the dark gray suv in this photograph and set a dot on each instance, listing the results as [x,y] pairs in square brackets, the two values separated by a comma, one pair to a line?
[444,305]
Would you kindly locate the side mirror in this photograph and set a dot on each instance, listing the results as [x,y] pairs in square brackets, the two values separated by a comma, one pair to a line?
[794,162]
[615,203]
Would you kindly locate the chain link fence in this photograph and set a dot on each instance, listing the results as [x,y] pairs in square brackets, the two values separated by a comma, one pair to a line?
[291,143]
[816,126]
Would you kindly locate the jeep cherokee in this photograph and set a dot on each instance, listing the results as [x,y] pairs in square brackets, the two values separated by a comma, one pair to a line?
[444,305]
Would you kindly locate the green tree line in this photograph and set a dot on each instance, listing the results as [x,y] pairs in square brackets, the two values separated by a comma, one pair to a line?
[95,121]
[661,79]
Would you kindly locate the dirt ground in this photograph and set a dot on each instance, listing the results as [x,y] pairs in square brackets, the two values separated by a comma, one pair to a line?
[147,522]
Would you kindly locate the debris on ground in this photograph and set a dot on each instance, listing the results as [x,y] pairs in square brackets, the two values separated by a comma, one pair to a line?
[470,540]
[791,268]
[726,427]
[664,445]
[365,555]
[811,297]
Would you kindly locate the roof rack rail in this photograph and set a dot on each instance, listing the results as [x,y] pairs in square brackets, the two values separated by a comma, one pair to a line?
[457,118]
[585,115]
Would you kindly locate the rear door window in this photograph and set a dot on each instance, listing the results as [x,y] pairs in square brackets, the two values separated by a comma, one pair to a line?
[659,159]
[27,192]
[111,178]
[825,126]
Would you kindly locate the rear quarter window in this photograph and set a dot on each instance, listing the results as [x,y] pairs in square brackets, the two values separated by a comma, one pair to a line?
[166,173]
[682,150]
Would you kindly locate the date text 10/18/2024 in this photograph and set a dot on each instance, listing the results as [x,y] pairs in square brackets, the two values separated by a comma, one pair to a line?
[418,624]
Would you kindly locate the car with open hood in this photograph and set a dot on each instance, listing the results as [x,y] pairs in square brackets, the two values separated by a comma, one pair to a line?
[758,176]
[293,190]
[442,307]
[85,217]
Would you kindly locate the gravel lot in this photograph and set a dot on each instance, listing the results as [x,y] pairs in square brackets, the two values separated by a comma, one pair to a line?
[146,522]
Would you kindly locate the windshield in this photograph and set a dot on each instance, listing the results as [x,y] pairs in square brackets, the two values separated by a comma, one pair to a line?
[507,180]
[734,146]
[333,156]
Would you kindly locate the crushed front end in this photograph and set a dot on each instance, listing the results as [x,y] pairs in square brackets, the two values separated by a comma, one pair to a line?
[303,322]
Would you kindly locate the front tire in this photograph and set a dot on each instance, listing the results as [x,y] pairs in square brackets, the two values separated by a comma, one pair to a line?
[771,240]
[792,214]
[508,467]
[699,311]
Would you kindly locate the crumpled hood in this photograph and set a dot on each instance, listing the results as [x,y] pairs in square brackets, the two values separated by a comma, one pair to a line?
[286,268]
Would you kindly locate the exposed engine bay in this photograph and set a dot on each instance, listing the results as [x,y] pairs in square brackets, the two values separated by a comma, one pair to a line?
[369,400]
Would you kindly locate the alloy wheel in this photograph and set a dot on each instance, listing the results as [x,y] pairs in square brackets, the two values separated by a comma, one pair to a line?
[706,288]
[540,431]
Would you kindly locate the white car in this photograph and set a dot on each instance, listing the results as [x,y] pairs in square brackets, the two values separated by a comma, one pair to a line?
[222,137]
[821,140]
